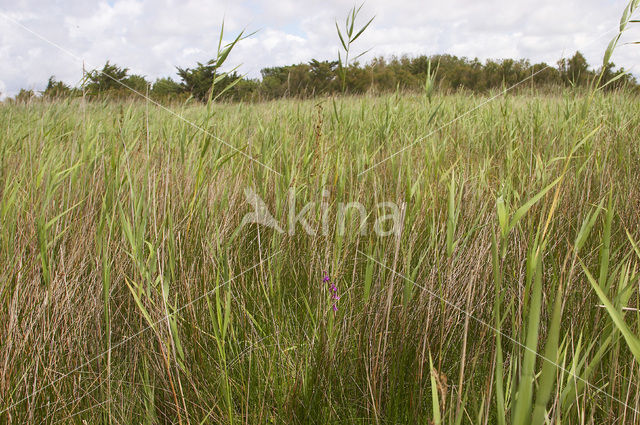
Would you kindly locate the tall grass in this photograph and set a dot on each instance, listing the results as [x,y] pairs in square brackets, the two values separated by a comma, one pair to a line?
[131,293]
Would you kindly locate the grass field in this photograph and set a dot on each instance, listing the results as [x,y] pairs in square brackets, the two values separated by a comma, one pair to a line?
[132,292]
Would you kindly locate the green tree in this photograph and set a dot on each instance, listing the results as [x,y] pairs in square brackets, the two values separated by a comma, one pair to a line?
[575,71]
[167,88]
[108,78]
[56,89]
[323,75]
[198,80]
[287,81]
[136,82]
[25,96]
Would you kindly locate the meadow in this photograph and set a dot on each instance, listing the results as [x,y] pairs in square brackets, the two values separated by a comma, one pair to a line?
[131,291]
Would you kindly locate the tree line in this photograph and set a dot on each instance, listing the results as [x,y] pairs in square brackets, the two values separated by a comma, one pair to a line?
[443,72]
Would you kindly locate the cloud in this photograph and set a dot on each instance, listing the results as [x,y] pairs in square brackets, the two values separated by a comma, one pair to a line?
[152,37]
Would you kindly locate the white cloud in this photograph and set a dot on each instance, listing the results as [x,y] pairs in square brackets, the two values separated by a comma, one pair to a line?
[151,37]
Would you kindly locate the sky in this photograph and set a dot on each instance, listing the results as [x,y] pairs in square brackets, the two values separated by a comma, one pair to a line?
[40,38]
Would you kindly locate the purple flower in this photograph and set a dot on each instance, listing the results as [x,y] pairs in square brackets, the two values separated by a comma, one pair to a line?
[334,290]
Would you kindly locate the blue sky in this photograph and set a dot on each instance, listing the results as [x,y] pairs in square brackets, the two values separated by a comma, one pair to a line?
[151,37]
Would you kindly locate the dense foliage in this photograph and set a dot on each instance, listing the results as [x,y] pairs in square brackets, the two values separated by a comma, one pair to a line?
[131,292]
[380,75]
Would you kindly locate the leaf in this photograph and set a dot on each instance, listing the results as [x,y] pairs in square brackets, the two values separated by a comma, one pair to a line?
[362,29]
[499,371]
[632,340]
[586,227]
[520,212]
[503,216]
[56,218]
[223,57]
[522,409]
[143,310]
[221,34]
[228,87]
[614,79]
[549,367]
[353,21]
[625,17]
[605,247]
[359,55]
[227,314]
[609,51]
[437,417]
[633,244]
[341,39]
